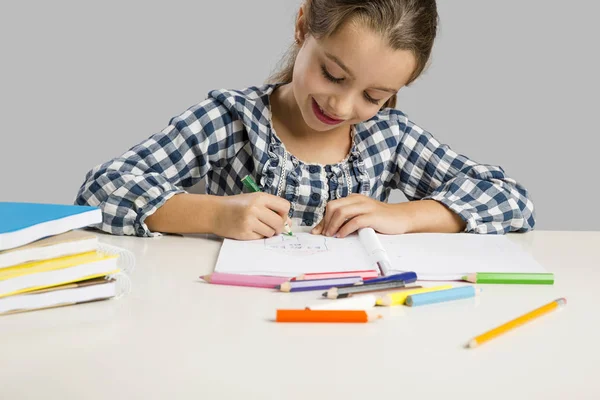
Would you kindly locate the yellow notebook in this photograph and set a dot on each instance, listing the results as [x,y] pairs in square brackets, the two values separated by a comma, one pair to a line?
[58,271]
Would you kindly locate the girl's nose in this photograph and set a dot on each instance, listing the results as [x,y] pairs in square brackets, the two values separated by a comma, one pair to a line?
[341,105]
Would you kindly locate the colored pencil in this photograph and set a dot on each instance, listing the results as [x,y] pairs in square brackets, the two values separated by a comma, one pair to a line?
[365,274]
[407,277]
[514,278]
[325,316]
[341,292]
[252,186]
[219,278]
[463,292]
[362,302]
[538,312]
[319,284]
[398,298]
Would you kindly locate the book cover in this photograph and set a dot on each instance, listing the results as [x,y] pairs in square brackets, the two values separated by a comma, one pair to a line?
[22,223]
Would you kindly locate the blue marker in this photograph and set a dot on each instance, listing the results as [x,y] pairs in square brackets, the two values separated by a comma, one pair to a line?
[457,293]
[407,277]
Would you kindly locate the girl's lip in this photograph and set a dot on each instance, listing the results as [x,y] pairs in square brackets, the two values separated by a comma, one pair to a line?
[322,116]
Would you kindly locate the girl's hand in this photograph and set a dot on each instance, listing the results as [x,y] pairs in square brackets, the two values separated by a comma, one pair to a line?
[250,216]
[346,215]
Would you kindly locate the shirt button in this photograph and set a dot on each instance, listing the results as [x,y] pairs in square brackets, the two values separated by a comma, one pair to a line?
[315,196]
[313,169]
[308,221]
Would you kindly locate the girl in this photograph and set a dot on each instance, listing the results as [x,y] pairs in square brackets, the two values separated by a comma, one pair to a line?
[321,139]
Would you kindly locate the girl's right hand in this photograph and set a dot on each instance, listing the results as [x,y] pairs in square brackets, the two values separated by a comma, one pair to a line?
[250,216]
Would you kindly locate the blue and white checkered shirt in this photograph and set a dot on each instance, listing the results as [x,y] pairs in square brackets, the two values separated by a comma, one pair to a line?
[230,135]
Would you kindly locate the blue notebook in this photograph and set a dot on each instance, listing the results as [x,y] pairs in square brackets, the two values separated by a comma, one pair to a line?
[24,223]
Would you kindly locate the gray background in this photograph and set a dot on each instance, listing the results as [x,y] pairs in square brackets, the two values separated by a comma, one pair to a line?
[511,83]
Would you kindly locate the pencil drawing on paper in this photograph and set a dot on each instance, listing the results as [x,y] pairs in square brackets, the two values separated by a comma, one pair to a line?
[300,243]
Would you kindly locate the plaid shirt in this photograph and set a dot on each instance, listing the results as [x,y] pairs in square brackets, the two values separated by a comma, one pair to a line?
[230,135]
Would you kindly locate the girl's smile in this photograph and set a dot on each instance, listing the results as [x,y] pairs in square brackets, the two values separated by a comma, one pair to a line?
[323,116]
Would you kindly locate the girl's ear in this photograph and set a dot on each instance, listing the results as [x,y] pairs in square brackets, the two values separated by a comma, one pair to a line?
[300,28]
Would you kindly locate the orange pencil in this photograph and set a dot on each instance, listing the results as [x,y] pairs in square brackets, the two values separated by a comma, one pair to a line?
[325,316]
[538,312]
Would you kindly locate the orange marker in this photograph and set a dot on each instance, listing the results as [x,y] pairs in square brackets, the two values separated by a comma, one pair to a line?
[325,316]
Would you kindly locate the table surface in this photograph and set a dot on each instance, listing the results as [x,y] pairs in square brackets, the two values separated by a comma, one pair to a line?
[177,337]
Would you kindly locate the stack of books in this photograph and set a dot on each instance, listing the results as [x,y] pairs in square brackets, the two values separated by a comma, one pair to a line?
[48,260]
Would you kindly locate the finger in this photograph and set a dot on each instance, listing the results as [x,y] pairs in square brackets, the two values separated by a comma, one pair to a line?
[318,228]
[342,215]
[361,221]
[333,206]
[280,205]
[271,219]
[263,229]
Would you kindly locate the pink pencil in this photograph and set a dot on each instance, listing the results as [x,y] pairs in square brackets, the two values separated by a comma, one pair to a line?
[366,274]
[261,281]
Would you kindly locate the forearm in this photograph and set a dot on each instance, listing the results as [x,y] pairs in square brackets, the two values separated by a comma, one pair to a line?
[430,216]
[185,213]
[483,195]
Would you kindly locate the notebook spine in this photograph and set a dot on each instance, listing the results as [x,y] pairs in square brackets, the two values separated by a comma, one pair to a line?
[123,284]
[126,260]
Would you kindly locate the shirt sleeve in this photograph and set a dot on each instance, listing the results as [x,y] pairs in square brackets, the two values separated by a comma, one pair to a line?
[133,186]
[482,195]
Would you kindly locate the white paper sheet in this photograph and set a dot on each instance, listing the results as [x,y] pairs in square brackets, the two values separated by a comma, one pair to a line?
[433,256]
[292,256]
[439,256]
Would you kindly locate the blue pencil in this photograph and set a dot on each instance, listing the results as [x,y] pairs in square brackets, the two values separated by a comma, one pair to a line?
[407,277]
[319,284]
[457,293]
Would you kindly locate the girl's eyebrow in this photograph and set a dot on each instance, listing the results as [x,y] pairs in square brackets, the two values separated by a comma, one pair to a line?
[343,66]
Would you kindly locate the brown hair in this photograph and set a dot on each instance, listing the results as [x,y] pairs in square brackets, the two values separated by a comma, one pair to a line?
[405,24]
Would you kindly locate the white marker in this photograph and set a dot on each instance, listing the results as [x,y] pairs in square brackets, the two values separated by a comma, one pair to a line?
[375,250]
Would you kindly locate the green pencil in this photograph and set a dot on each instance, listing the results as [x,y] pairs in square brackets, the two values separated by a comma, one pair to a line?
[511,278]
[251,185]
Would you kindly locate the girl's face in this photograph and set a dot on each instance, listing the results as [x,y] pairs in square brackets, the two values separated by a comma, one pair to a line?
[346,78]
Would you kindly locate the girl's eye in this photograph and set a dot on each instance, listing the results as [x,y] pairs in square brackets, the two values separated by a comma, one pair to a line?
[371,100]
[329,77]
[333,79]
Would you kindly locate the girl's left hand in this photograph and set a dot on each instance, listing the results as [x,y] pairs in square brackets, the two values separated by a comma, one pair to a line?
[346,215]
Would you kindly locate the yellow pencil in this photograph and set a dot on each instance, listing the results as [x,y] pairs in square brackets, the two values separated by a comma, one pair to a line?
[538,312]
[397,298]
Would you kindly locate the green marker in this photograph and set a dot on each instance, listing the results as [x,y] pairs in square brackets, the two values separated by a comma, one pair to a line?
[511,278]
[251,185]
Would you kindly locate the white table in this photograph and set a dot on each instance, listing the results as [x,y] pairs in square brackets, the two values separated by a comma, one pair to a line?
[174,337]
